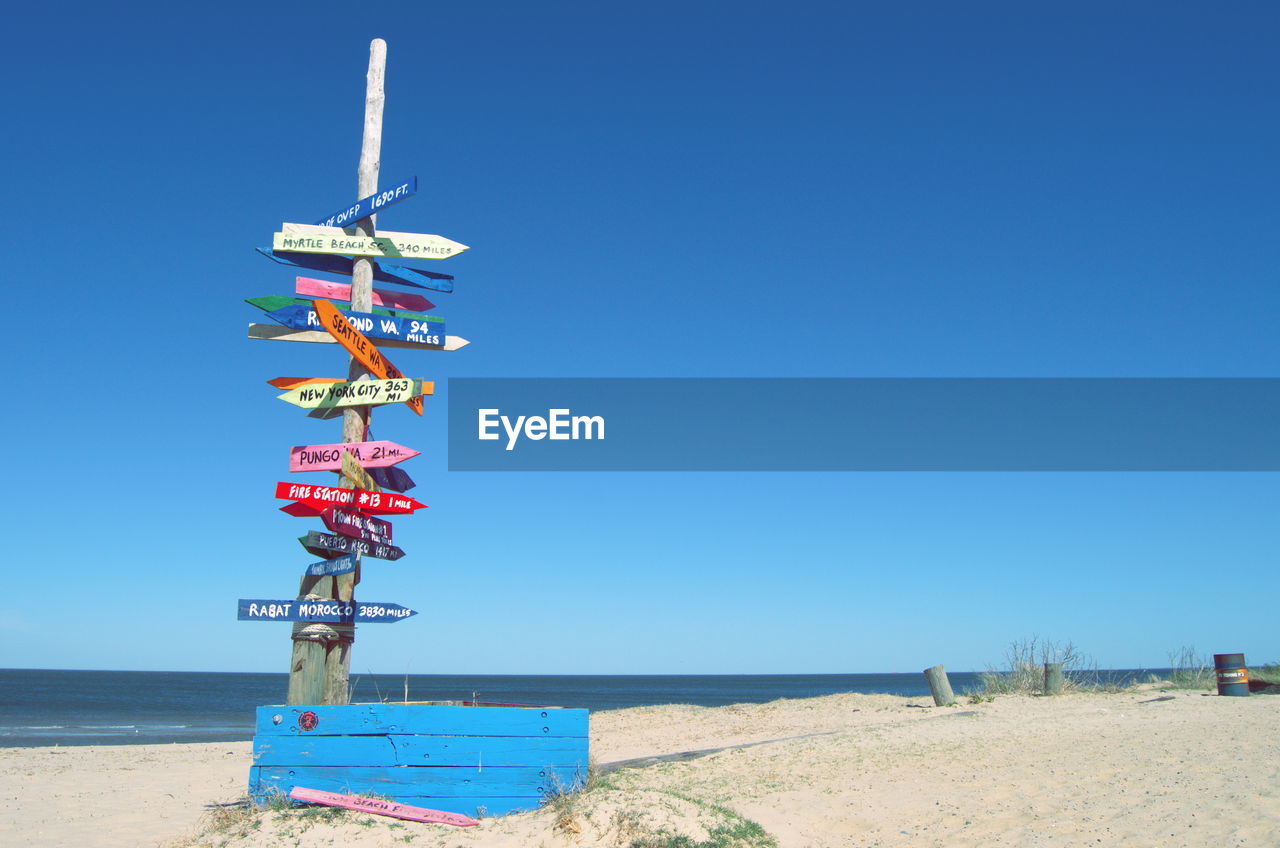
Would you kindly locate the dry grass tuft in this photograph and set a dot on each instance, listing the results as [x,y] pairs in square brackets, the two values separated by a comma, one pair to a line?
[1025,659]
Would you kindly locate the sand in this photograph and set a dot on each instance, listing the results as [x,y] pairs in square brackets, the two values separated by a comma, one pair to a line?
[846,770]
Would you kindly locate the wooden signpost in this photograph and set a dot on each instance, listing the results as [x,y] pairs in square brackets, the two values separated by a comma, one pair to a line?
[329,546]
[386,244]
[374,203]
[383,273]
[390,298]
[316,748]
[423,329]
[357,393]
[321,611]
[330,457]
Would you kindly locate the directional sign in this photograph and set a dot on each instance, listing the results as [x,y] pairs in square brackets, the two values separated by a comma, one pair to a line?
[385,242]
[331,240]
[338,565]
[366,206]
[272,302]
[374,503]
[356,393]
[301,510]
[346,522]
[329,457]
[392,478]
[382,273]
[389,298]
[324,413]
[333,612]
[360,479]
[360,347]
[332,547]
[424,329]
[275,332]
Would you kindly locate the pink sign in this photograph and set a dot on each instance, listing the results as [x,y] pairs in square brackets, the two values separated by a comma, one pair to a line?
[381,297]
[380,807]
[329,457]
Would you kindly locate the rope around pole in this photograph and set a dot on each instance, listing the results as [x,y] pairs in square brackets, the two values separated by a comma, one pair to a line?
[315,631]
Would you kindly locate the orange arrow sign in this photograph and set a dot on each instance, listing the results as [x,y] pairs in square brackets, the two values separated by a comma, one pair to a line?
[360,347]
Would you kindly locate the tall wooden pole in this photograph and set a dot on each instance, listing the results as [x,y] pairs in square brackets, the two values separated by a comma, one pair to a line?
[321,664]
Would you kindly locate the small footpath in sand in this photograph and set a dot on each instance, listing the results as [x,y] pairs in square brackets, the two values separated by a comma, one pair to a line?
[844,770]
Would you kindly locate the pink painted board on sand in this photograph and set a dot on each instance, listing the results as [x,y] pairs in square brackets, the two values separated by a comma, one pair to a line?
[380,807]
[386,298]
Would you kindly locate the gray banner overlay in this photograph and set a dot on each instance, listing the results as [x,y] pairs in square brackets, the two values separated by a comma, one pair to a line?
[820,424]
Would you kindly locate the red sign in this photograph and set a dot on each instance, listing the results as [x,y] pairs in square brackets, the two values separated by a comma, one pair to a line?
[320,497]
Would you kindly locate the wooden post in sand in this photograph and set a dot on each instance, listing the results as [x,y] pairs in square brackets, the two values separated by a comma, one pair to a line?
[1053,678]
[940,686]
[321,665]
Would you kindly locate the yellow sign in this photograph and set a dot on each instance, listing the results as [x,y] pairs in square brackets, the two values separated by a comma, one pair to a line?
[357,475]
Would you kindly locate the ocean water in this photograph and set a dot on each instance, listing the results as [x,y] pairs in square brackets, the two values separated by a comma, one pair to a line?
[59,707]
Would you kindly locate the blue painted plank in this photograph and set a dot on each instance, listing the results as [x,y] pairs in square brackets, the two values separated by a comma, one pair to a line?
[334,612]
[338,565]
[366,206]
[429,719]
[382,273]
[426,330]
[565,752]
[422,782]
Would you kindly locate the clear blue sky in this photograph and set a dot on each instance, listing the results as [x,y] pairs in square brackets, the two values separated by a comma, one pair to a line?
[929,189]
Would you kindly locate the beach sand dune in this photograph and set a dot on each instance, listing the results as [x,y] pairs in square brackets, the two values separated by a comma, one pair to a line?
[843,770]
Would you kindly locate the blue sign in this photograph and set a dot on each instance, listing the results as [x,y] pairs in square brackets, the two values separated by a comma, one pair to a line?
[329,567]
[422,330]
[321,611]
[391,478]
[372,204]
[341,265]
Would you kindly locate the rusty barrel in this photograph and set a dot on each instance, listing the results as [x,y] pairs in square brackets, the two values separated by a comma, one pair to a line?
[1233,677]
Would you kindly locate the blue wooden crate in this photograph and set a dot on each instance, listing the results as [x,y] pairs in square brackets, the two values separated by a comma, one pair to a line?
[474,760]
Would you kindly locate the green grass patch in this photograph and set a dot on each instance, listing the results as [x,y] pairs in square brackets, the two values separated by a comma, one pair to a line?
[1191,670]
[734,831]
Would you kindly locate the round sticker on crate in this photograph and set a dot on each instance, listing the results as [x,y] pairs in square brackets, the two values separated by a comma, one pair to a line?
[308,720]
